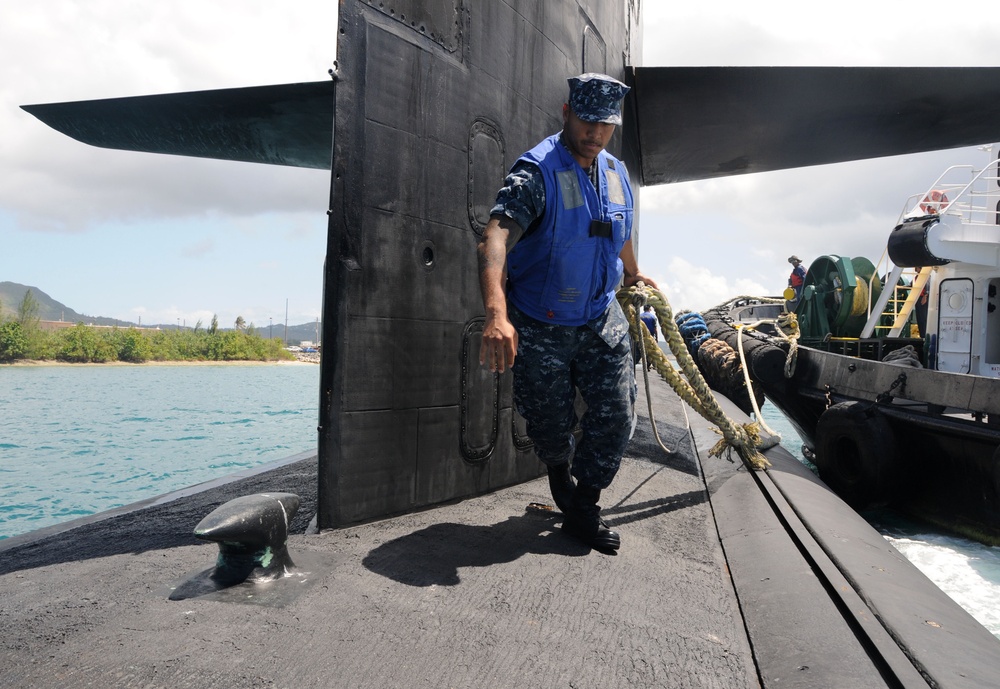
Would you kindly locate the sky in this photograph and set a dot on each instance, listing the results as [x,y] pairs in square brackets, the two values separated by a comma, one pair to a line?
[164,239]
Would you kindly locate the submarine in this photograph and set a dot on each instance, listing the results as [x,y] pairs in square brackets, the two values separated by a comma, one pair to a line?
[417,124]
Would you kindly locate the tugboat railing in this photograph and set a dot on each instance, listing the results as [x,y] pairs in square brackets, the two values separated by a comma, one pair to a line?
[975,200]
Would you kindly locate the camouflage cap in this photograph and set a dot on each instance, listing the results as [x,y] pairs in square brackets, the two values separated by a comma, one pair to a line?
[597,97]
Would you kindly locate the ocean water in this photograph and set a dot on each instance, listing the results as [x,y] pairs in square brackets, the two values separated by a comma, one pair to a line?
[969,572]
[76,440]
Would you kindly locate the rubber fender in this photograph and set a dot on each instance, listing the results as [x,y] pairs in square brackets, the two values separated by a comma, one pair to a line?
[856,454]
[907,243]
[766,360]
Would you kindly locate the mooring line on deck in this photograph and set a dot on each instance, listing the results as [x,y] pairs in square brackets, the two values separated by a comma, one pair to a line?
[691,387]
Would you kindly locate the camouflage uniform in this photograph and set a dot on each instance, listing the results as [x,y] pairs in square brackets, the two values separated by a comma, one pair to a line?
[551,361]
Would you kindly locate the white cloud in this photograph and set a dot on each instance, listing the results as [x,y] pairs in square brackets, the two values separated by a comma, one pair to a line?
[689,287]
[130,216]
[706,240]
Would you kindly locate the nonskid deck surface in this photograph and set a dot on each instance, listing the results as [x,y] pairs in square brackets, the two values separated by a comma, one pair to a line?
[478,593]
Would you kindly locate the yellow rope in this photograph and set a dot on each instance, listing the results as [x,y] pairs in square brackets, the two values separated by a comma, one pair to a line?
[788,330]
[692,387]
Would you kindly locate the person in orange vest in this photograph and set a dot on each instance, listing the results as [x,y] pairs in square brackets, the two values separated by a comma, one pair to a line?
[798,276]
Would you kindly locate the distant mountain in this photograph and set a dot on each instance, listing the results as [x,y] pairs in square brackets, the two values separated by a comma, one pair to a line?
[296,333]
[12,293]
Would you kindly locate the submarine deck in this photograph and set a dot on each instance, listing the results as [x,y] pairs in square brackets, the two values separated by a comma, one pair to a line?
[726,578]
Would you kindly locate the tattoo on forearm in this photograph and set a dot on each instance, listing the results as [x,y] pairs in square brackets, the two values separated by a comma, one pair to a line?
[490,256]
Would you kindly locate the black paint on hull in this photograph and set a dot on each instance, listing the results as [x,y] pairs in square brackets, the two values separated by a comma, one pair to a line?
[705,122]
[430,113]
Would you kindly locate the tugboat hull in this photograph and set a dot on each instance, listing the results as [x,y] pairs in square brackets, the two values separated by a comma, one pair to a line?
[918,440]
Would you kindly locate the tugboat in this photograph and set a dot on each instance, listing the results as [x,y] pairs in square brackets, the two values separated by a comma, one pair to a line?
[892,377]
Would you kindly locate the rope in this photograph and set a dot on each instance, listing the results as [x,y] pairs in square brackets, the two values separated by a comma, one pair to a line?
[787,327]
[692,387]
[694,330]
[775,436]
[720,363]
[905,356]
[730,304]
[637,330]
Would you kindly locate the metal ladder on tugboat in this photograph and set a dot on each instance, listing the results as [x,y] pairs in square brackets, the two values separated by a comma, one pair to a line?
[892,304]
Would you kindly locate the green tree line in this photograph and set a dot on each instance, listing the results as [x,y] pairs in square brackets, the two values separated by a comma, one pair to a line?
[22,337]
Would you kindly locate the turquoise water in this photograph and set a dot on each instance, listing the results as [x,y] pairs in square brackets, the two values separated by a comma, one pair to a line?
[967,571]
[76,440]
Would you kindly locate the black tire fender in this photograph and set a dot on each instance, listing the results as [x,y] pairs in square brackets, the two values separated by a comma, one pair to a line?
[856,453]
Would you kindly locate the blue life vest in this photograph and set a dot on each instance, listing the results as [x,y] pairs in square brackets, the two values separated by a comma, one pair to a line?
[562,272]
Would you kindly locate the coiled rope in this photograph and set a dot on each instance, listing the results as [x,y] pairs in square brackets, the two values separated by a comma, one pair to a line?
[859,305]
[691,387]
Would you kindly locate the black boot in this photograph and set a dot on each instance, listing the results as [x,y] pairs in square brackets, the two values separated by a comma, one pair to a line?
[583,521]
[562,486]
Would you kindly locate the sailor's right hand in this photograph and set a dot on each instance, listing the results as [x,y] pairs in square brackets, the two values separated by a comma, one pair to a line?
[499,344]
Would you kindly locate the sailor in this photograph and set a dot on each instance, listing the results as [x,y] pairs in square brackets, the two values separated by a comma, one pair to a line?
[649,320]
[557,246]
[797,278]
